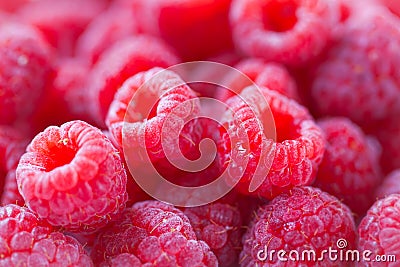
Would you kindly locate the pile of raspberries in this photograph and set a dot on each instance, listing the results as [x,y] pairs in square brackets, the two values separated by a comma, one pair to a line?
[324,73]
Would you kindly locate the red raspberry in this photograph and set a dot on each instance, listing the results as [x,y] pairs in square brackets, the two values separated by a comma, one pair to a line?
[26,241]
[73,177]
[124,259]
[295,155]
[12,145]
[219,225]
[267,74]
[25,63]
[388,134]
[11,193]
[121,61]
[379,231]
[65,100]
[197,29]
[352,80]
[168,92]
[303,218]
[291,31]
[350,168]
[61,21]
[112,25]
[134,191]
[390,185]
[156,233]
[68,87]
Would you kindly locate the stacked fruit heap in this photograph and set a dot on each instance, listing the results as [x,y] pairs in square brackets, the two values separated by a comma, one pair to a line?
[329,71]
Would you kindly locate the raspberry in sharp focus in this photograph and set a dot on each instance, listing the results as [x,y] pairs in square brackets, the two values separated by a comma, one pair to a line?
[295,155]
[118,63]
[390,185]
[379,231]
[26,241]
[25,64]
[353,80]
[290,31]
[350,169]
[73,177]
[220,226]
[303,218]
[156,233]
[168,92]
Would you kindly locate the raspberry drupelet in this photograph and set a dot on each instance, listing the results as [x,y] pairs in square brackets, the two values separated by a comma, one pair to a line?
[73,177]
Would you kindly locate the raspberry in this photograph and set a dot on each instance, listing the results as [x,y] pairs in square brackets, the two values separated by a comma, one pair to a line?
[303,218]
[295,155]
[13,142]
[73,177]
[124,259]
[352,80]
[156,233]
[267,74]
[110,26]
[350,168]
[197,29]
[121,61]
[379,230]
[219,225]
[68,85]
[11,194]
[388,134]
[25,63]
[390,185]
[65,99]
[168,91]
[135,193]
[26,241]
[12,145]
[290,32]
[61,21]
